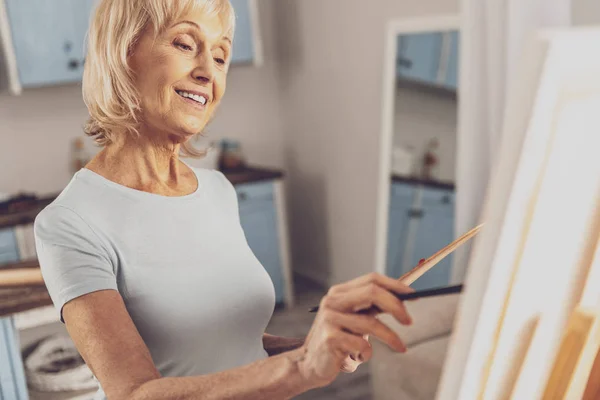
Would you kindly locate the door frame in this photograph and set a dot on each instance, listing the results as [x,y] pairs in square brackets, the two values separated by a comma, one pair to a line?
[394,29]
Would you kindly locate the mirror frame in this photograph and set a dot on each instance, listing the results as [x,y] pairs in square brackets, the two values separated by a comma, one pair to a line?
[396,28]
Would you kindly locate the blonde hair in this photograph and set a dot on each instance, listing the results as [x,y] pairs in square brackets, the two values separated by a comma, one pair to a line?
[108,89]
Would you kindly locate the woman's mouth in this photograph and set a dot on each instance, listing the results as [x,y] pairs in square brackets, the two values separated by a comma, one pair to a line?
[193,98]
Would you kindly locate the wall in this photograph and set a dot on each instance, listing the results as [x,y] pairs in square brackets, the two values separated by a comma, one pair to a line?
[332,54]
[423,114]
[36,128]
[586,12]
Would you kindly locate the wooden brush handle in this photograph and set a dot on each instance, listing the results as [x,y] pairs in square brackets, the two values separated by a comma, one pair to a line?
[411,276]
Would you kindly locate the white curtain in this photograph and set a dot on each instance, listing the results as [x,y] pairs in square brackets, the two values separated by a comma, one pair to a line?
[492,38]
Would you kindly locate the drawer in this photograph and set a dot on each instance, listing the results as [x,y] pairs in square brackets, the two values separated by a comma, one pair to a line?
[436,196]
[402,189]
[251,192]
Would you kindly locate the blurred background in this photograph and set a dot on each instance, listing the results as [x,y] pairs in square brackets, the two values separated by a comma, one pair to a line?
[299,135]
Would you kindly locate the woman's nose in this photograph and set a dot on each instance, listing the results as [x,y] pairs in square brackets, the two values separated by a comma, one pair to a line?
[204,71]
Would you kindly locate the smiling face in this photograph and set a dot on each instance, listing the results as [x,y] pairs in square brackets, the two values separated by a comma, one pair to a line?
[181,76]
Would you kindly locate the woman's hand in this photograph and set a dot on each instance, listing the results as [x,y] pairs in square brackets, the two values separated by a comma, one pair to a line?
[338,331]
[351,364]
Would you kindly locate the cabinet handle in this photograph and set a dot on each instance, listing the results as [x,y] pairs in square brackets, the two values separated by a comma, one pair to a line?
[405,62]
[415,213]
[73,64]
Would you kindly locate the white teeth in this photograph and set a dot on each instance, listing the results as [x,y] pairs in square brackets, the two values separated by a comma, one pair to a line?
[200,99]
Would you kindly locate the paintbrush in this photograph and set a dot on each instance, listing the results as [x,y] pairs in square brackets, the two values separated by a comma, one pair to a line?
[425,265]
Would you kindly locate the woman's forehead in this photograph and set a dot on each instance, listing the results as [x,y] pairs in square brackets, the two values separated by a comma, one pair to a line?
[211,16]
[212,26]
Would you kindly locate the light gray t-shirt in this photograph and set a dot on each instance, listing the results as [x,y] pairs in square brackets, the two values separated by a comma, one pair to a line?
[195,291]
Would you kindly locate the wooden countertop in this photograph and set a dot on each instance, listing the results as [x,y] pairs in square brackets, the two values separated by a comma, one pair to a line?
[22,298]
[15,300]
[25,216]
[252,174]
[427,183]
[18,299]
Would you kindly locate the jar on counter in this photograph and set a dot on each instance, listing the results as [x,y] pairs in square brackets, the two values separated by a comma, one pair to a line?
[79,156]
[232,157]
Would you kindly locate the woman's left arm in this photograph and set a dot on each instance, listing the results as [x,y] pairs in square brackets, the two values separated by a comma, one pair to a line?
[277,344]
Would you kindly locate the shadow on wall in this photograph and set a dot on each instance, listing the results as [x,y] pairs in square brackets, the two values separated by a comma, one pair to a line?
[309,223]
[288,43]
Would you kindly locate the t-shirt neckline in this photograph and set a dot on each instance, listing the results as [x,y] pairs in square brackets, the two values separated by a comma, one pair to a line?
[140,193]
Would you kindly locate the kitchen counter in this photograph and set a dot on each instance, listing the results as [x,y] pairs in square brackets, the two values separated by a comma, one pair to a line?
[426,183]
[19,299]
[252,174]
[22,298]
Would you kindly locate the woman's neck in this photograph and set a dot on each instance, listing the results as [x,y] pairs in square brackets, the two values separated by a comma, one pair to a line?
[140,164]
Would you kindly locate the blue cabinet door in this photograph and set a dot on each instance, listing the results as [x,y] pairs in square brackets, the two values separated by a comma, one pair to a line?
[243,43]
[258,218]
[401,200]
[81,13]
[12,377]
[435,230]
[419,56]
[9,252]
[48,39]
[453,61]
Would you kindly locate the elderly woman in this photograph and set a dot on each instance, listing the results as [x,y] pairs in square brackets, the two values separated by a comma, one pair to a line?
[145,257]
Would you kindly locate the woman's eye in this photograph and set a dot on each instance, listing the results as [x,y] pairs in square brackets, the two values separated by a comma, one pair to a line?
[220,61]
[184,46]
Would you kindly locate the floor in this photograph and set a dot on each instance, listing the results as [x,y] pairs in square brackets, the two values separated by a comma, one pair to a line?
[296,322]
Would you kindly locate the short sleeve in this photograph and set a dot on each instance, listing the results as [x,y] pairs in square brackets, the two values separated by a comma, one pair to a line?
[73,259]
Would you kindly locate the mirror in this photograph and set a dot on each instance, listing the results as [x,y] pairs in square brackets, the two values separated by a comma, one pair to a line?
[423,154]
[420,151]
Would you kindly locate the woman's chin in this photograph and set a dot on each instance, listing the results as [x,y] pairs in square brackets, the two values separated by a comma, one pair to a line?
[186,131]
[191,125]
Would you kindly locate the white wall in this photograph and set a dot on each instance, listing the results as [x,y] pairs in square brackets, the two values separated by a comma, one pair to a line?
[332,53]
[36,128]
[586,12]
[422,115]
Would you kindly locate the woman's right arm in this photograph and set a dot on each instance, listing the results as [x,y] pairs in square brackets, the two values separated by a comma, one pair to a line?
[109,342]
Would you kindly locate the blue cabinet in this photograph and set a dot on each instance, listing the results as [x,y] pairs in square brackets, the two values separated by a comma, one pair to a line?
[401,200]
[48,39]
[9,252]
[421,222]
[12,377]
[434,230]
[453,61]
[419,56]
[429,58]
[244,46]
[258,218]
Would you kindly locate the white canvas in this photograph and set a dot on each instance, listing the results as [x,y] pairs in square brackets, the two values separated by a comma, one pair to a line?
[512,195]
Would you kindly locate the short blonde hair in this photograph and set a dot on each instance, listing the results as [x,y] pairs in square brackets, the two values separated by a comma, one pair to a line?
[108,89]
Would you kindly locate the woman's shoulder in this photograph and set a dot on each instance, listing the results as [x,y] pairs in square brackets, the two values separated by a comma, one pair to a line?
[213,178]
